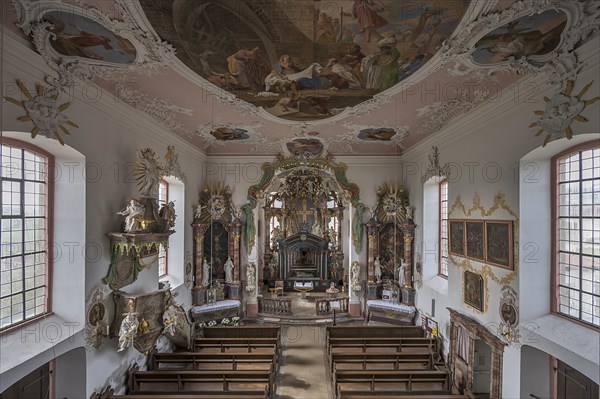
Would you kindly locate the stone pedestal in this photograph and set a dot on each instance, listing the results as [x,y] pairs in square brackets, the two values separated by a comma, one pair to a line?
[199,296]
[408,295]
[251,309]
[354,309]
[233,291]
[373,291]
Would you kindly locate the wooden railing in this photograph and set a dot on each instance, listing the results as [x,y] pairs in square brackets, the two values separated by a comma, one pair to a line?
[277,306]
[323,305]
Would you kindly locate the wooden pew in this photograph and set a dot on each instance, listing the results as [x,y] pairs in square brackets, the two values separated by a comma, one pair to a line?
[375,332]
[415,382]
[213,361]
[197,395]
[237,345]
[179,381]
[391,361]
[241,332]
[396,395]
[407,345]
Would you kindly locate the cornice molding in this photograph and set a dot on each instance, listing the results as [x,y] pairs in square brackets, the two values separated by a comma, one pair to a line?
[495,111]
[16,55]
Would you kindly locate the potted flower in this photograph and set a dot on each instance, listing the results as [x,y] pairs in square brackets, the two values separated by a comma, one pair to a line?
[212,323]
[225,322]
[235,320]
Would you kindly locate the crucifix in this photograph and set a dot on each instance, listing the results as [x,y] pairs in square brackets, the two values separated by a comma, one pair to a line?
[305,212]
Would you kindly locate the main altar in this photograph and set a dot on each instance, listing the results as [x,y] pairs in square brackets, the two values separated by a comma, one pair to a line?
[303,214]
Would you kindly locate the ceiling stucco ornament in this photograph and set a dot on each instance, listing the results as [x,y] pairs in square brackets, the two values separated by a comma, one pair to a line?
[44,112]
[457,53]
[384,134]
[81,41]
[434,168]
[439,113]
[220,134]
[160,110]
[561,111]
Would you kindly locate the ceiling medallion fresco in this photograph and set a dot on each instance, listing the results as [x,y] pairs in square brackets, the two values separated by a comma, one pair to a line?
[305,60]
[528,36]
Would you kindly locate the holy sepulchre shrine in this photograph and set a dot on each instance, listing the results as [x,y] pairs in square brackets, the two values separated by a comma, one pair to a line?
[284,199]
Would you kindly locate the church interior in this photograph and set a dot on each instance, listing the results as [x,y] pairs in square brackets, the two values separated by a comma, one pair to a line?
[317,199]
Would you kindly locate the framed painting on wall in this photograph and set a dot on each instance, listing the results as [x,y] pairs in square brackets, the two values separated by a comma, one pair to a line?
[499,243]
[456,237]
[473,290]
[475,240]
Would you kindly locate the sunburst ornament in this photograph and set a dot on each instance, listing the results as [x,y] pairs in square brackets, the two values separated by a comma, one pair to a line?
[44,112]
[561,110]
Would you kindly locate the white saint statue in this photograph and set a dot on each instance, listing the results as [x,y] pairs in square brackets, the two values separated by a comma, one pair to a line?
[317,230]
[251,278]
[205,273]
[355,273]
[134,213]
[129,328]
[377,265]
[401,275]
[198,211]
[169,317]
[229,270]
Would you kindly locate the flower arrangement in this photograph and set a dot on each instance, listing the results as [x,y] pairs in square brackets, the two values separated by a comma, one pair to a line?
[212,323]
[235,320]
[225,322]
[201,325]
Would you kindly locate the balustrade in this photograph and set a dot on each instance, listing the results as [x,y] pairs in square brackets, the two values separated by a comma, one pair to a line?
[323,305]
[276,306]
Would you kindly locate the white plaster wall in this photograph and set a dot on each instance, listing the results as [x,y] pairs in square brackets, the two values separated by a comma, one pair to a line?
[109,135]
[535,373]
[69,374]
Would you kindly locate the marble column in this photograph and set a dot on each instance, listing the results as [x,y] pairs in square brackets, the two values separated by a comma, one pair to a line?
[372,253]
[198,292]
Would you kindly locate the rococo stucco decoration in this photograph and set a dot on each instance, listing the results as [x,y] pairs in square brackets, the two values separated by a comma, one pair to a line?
[560,112]
[499,204]
[509,315]
[524,50]
[44,112]
[81,41]
[98,316]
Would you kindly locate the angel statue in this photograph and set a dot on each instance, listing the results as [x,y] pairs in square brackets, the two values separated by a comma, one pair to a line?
[229,270]
[198,211]
[205,273]
[148,172]
[134,213]
[129,328]
[167,214]
[169,317]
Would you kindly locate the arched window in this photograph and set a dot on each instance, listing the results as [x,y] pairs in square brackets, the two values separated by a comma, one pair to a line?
[27,209]
[163,254]
[443,229]
[576,207]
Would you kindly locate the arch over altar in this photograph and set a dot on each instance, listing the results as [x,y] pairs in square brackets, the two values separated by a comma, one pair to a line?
[303,198]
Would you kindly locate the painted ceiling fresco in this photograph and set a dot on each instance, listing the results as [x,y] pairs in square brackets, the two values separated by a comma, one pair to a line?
[305,60]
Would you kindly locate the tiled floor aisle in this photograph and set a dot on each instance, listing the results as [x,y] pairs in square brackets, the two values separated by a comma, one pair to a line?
[303,370]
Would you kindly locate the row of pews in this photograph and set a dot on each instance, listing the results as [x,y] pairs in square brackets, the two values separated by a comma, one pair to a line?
[385,363]
[226,363]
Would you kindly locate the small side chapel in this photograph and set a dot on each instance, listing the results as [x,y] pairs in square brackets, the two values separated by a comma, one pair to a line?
[325,199]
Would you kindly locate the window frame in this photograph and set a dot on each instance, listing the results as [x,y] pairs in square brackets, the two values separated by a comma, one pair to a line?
[166,249]
[555,272]
[442,222]
[49,234]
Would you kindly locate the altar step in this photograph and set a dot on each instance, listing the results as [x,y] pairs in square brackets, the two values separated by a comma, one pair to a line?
[303,319]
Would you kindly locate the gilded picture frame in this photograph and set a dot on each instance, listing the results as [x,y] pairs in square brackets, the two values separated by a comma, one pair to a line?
[456,237]
[475,240]
[499,246]
[474,290]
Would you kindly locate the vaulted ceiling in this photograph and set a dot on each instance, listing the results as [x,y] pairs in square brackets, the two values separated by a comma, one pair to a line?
[266,76]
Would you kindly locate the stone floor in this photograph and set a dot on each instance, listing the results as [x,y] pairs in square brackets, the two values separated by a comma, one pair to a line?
[303,373]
